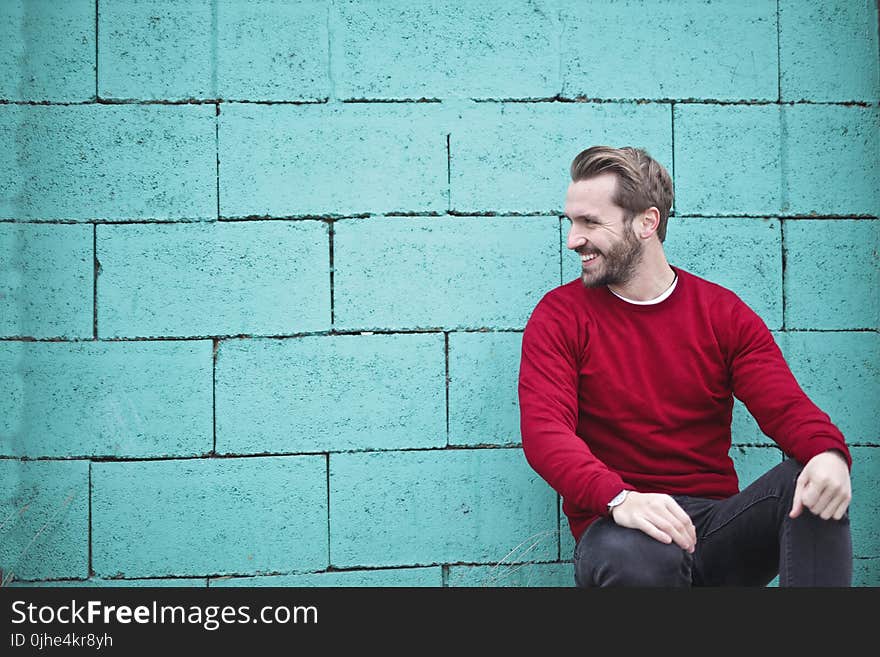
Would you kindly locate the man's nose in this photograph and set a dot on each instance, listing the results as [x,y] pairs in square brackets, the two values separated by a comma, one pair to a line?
[575,241]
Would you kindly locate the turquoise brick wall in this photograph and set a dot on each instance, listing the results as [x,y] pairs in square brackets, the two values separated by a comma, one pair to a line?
[265,266]
[195,516]
[200,279]
[101,162]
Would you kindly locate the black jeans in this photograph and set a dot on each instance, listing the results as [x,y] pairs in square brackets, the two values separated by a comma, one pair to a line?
[744,540]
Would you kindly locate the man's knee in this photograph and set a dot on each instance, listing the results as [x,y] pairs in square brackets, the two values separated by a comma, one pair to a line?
[610,555]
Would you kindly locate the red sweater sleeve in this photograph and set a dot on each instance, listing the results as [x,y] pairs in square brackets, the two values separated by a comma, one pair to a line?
[763,381]
[548,401]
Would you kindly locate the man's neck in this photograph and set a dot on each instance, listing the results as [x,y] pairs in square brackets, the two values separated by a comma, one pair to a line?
[653,278]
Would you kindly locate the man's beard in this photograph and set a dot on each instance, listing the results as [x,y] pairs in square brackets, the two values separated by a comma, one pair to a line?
[619,266]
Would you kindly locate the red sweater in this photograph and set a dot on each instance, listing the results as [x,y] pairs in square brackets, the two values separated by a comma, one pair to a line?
[616,395]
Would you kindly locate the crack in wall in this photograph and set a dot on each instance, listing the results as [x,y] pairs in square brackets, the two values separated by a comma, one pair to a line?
[405,101]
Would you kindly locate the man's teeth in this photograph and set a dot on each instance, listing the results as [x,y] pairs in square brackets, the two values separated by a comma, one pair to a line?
[588,257]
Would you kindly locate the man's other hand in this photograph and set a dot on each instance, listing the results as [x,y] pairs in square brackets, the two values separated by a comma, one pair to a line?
[659,516]
[823,487]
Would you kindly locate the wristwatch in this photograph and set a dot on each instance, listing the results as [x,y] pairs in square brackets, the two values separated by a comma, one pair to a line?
[617,500]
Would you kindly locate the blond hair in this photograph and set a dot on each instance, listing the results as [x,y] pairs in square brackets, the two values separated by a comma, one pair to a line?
[642,182]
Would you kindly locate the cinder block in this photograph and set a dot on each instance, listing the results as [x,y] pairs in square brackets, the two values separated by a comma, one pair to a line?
[209,516]
[743,427]
[48,50]
[833,159]
[381,577]
[269,50]
[767,159]
[832,274]
[331,393]
[828,50]
[284,160]
[492,172]
[437,506]
[483,375]
[841,374]
[204,49]
[491,49]
[513,575]
[697,49]
[115,162]
[131,399]
[45,510]
[866,572]
[14,420]
[727,159]
[156,50]
[218,278]
[753,462]
[743,255]
[864,511]
[451,272]
[46,275]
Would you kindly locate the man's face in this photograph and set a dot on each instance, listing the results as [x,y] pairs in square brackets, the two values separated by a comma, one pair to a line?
[609,249]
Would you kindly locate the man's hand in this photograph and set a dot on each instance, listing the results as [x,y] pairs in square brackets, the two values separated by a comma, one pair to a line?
[823,487]
[659,516]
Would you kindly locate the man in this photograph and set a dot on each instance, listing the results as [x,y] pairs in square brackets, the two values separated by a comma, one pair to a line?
[626,390]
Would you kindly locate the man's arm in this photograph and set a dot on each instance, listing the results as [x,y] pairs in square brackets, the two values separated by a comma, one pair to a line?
[548,398]
[548,401]
[763,381]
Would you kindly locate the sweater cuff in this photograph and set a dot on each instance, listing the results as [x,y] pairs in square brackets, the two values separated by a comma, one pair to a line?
[606,491]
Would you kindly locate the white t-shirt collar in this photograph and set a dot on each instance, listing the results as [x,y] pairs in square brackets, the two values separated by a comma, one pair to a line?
[650,302]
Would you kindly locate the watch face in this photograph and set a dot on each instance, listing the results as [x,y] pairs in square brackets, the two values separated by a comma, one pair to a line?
[620,497]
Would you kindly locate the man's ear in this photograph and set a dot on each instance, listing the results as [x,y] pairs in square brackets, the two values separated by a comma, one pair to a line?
[648,223]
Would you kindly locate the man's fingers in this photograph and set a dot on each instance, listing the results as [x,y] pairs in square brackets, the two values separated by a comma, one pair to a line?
[646,526]
[840,511]
[658,516]
[837,504]
[684,519]
[823,487]
[826,504]
[798,505]
[672,527]
[810,494]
